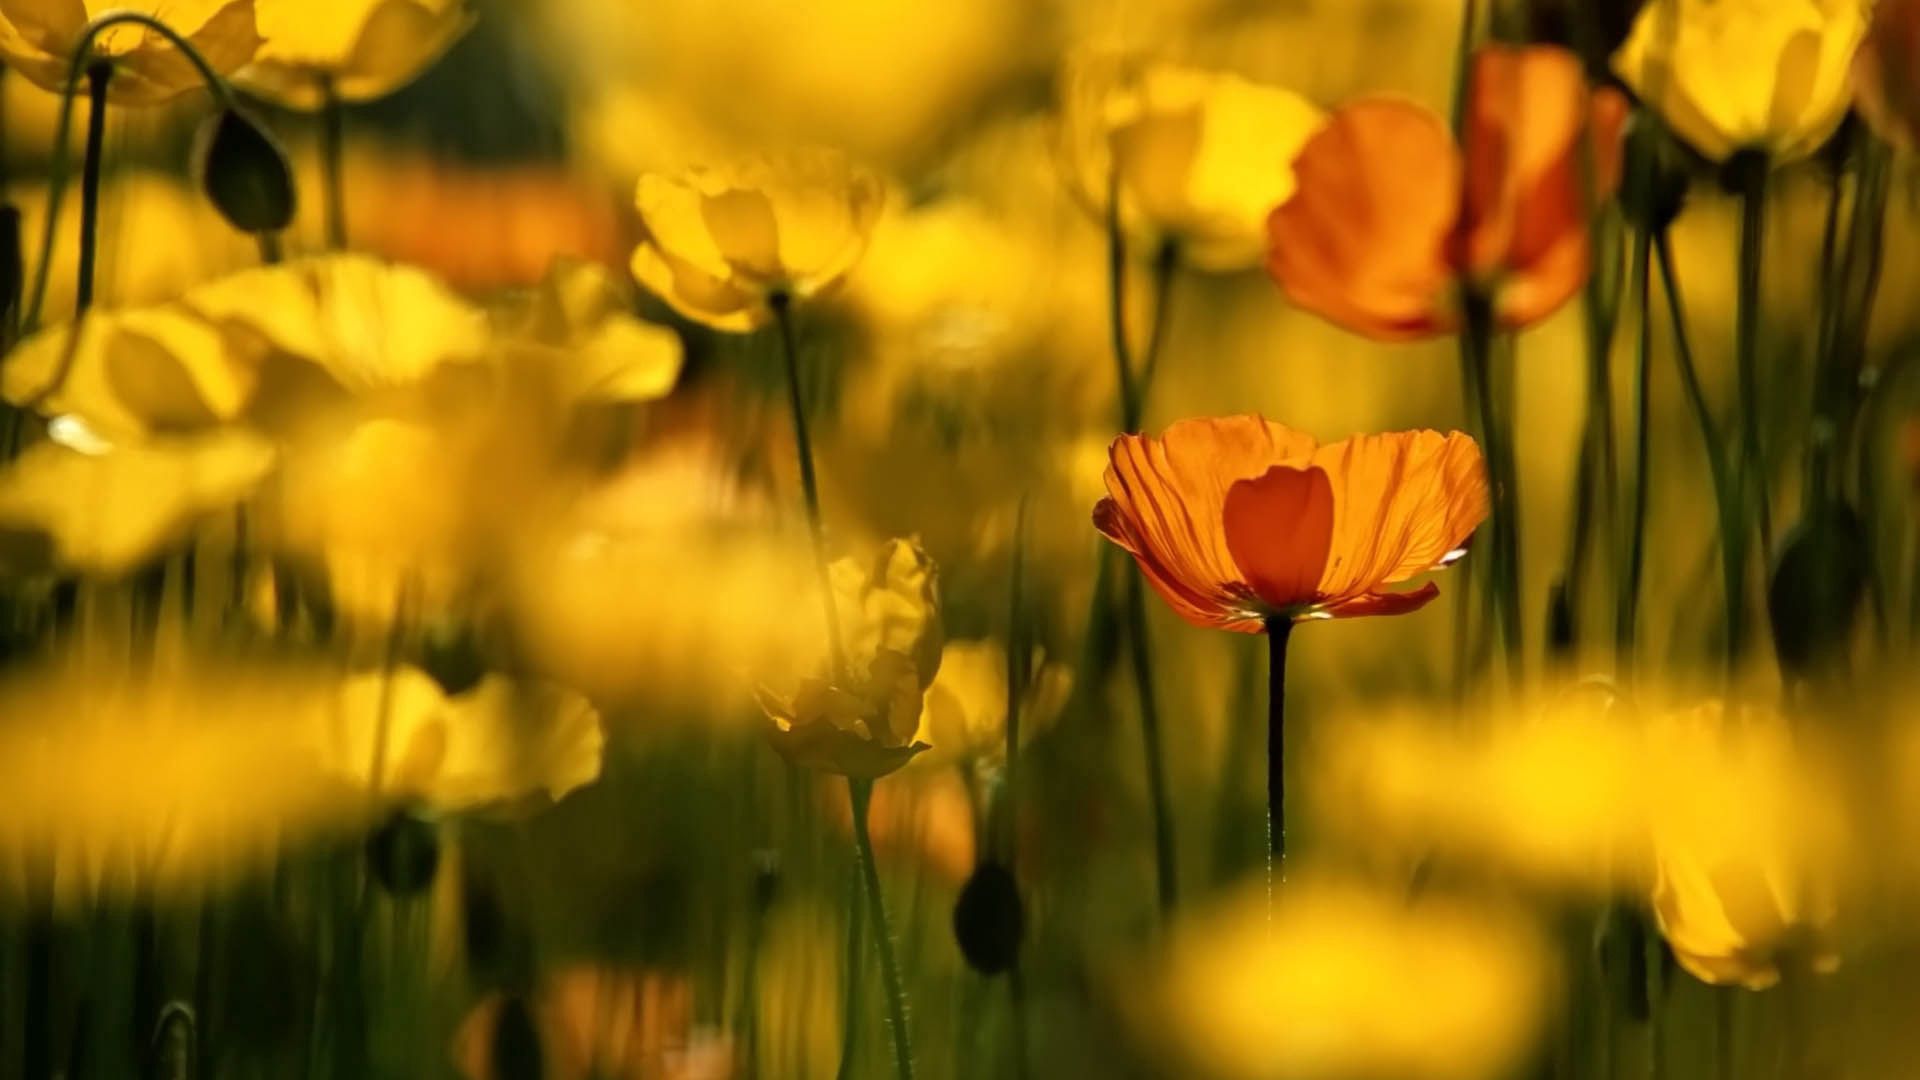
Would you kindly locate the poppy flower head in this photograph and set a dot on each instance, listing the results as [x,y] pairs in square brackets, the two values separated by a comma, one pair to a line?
[1238,521]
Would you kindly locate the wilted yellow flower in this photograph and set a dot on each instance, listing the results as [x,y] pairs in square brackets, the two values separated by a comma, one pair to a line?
[1199,158]
[601,1023]
[965,715]
[1737,900]
[1733,75]
[718,243]
[38,37]
[365,49]
[578,331]
[1337,980]
[860,720]
[166,781]
[501,743]
[108,509]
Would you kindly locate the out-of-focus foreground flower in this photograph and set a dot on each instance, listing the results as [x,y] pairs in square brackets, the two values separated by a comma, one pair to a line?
[1886,73]
[1238,520]
[349,50]
[38,37]
[1391,221]
[1731,75]
[721,243]
[1198,158]
[589,1022]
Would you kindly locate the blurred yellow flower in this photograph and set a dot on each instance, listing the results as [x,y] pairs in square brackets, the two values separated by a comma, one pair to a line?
[502,744]
[965,715]
[719,243]
[592,1022]
[1733,75]
[38,37]
[168,781]
[1199,158]
[578,330]
[1737,902]
[860,720]
[365,49]
[1337,980]
[110,509]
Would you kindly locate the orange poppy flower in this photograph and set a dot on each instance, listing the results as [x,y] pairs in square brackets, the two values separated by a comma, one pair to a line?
[1389,215]
[1238,520]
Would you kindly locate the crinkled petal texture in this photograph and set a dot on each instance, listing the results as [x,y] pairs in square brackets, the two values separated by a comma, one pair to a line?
[1886,73]
[1363,241]
[366,48]
[37,38]
[717,242]
[1239,520]
[1525,230]
[1202,157]
[1731,75]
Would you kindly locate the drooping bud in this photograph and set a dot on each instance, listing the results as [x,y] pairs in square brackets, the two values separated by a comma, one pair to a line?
[245,173]
[988,918]
[1653,181]
[404,852]
[1815,592]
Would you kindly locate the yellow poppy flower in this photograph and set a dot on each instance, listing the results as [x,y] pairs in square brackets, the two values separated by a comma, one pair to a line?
[717,243]
[1199,158]
[965,717]
[166,781]
[37,39]
[1332,979]
[108,509]
[1733,75]
[860,721]
[366,49]
[578,331]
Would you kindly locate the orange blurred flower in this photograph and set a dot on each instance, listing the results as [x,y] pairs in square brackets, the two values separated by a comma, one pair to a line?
[633,1025]
[1391,218]
[1238,520]
[1886,73]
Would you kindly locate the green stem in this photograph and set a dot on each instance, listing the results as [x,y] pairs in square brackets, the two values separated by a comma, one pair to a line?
[1166,264]
[1279,630]
[860,792]
[99,73]
[1732,535]
[856,955]
[1165,864]
[1756,478]
[1476,349]
[782,305]
[333,122]
[1130,405]
[1629,586]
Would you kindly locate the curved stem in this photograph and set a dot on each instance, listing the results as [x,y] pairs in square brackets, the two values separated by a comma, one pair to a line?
[1279,629]
[1166,264]
[809,485]
[1629,586]
[1757,485]
[99,73]
[861,794]
[1165,864]
[333,123]
[1130,406]
[57,167]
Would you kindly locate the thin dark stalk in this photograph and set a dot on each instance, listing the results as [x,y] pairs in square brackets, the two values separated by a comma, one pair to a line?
[1476,349]
[36,1042]
[1723,1045]
[1732,534]
[1130,406]
[99,73]
[855,962]
[1166,266]
[1753,221]
[1019,659]
[333,127]
[1279,629]
[272,253]
[1165,863]
[1629,590]
[809,484]
[860,792]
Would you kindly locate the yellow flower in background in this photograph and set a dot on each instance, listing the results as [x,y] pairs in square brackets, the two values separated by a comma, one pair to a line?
[501,744]
[365,49]
[860,721]
[111,509]
[1199,158]
[37,38]
[166,782]
[1337,980]
[965,715]
[718,243]
[1737,897]
[578,332]
[1732,75]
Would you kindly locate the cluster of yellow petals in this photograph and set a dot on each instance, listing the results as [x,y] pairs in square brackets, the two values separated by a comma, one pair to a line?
[351,50]
[38,39]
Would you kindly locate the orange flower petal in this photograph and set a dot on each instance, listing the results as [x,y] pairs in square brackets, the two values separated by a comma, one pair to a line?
[1279,526]
[1403,502]
[1390,603]
[1363,241]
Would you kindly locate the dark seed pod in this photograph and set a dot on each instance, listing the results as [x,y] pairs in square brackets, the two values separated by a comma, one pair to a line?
[245,173]
[449,653]
[515,1052]
[987,919]
[1653,177]
[404,852]
[1814,595]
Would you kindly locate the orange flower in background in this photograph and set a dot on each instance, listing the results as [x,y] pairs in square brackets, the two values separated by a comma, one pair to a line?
[1238,520]
[1886,73]
[594,1022]
[1391,219]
